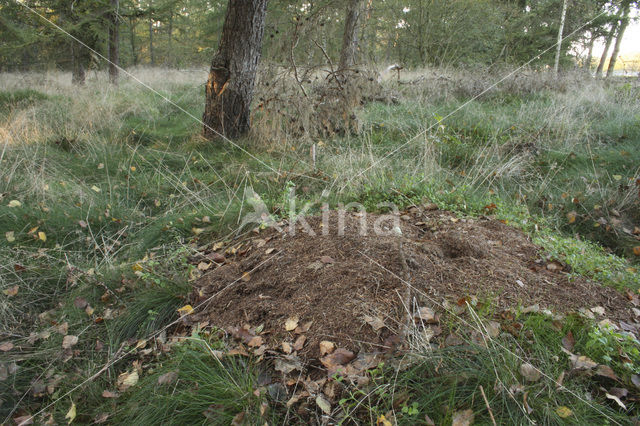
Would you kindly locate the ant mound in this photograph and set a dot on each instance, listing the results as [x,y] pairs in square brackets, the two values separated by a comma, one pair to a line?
[357,282]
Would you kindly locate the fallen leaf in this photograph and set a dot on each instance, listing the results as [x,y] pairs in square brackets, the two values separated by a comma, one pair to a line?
[326,347]
[269,250]
[382,421]
[327,260]
[315,265]
[462,418]
[617,400]
[255,342]
[96,189]
[71,414]
[426,314]
[299,343]
[69,341]
[42,236]
[287,364]
[109,394]
[563,412]
[286,348]
[337,358]
[246,276]
[529,372]
[80,302]
[493,328]
[323,404]
[168,378]
[127,380]
[375,322]
[14,203]
[606,371]
[11,291]
[185,310]
[203,266]
[6,346]
[101,418]
[23,420]
[568,341]
[291,323]
[598,310]
[571,216]
[10,236]
[582,362]
[635,379]
[636,250]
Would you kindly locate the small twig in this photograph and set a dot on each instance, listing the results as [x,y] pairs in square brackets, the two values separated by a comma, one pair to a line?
[493,420]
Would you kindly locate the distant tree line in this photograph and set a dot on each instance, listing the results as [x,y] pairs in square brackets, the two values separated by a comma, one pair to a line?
[181,33]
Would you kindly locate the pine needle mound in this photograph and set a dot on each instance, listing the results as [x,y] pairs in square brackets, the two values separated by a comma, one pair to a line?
[361,291]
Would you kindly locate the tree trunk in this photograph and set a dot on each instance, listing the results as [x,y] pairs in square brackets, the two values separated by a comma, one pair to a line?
[605,52]
[556,64]
[78,70]
[231,81]
[114,41]
[349,50]
[624,22]
[132,40]
[587,62]
[152,56]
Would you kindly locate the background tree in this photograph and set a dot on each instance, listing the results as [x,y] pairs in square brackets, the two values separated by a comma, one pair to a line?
[231,81]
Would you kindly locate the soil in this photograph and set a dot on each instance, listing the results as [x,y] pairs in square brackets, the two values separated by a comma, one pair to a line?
[352,289]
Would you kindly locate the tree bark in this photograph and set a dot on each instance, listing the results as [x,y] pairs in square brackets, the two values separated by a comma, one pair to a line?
[152,56]
[349,52]
[132,40]
[114,41]
[605,52]
[587,62]
[624,22]
[231,81]
[78,70]
[556,64]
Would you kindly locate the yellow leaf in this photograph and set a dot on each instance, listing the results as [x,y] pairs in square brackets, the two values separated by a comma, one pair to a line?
[32,230]
[71,414]
[100,166]
[42,236]
[95,188]
[563,412]
[14,203]
[133,168]
[636,250]
[185,310]
[197,231]
[10,236]
[137,267]
[617,177]
[382,421]
[291,324]
[571,217]
[126,380]
[11,291]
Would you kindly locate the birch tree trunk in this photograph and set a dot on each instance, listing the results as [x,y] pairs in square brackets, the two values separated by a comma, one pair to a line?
[231,81]
[556,64]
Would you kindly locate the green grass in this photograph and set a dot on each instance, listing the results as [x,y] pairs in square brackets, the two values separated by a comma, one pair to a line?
[125,190]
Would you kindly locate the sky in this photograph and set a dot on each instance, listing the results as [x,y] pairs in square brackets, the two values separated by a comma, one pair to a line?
[630,42]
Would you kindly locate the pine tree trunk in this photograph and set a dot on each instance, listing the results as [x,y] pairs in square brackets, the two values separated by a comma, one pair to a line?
[114,41]
[349,52]
[152,56]
[587,62]
[556,64]
[231,81]
[132,40]
[605,52]
[78,70]
[624,22]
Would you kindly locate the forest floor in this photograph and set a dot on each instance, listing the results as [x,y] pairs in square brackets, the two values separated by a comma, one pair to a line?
[504,288]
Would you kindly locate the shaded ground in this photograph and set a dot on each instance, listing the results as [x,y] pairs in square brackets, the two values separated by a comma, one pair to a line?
[350,288]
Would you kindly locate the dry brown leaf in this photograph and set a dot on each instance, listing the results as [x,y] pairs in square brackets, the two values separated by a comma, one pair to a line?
[6,346]
[530,373]
[109,394]
[463,418]
[286,348]
[326,347]
[299,343]
[69,341]
[11,291]
[255,342]
[375,322]
[291,323]
[568,341]
[168,378]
